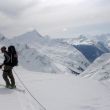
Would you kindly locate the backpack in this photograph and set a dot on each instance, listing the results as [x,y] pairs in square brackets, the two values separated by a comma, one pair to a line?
[13,55]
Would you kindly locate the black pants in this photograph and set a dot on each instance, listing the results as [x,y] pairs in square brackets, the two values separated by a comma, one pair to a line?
[8,75]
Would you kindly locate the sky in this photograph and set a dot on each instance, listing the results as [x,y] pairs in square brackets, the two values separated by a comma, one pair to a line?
[56,18]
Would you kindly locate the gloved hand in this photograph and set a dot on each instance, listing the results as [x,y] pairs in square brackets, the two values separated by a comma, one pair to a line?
[1,66]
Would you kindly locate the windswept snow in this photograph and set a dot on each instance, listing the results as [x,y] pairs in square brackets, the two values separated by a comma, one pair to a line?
[55,92]
[99,69]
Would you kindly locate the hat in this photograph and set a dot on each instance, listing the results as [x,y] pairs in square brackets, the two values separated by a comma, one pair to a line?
[3,48]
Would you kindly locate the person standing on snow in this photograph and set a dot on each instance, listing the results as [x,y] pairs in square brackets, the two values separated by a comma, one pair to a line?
[7,71]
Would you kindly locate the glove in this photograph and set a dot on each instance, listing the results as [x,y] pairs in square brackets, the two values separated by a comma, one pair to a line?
[1,66]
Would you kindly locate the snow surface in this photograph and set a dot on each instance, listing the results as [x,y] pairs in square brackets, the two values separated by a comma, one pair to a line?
[80,40]
[99,69]
[55,92]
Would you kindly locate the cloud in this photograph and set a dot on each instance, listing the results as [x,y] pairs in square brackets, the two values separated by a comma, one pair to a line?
[52,16]
[14,7]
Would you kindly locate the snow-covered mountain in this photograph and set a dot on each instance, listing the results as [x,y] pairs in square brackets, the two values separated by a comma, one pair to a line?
[99,69]
[29,58]
[3,40]
[79,40]
[38,91]
[42,54]
[105,38]
[91,48]
[29,37]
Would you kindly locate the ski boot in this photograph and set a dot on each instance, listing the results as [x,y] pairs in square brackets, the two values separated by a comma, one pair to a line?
[13,86]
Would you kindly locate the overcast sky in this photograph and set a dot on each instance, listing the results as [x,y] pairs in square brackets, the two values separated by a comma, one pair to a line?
[56,18]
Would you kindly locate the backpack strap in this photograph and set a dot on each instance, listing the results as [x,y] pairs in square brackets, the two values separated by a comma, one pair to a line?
[7,58]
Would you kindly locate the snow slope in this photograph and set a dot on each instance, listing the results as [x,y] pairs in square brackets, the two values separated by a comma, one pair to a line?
[99,69]
[55,92]
[29,38]
[79,40]
[87,46]
[42,54]
[104,38]
[16,99]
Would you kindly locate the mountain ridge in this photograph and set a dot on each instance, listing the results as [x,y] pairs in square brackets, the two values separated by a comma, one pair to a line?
[46,51]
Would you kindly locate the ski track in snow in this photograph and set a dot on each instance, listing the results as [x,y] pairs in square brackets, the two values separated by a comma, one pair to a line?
[26,101]
[13,99]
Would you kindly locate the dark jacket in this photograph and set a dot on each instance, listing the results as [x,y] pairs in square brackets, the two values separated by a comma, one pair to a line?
[7,59]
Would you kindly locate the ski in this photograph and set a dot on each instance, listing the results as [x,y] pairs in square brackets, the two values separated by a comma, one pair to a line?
[17,89]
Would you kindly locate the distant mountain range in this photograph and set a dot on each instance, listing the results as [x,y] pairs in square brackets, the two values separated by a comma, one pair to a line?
[42,54]
[99,69]
[67,55]
[91,47]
